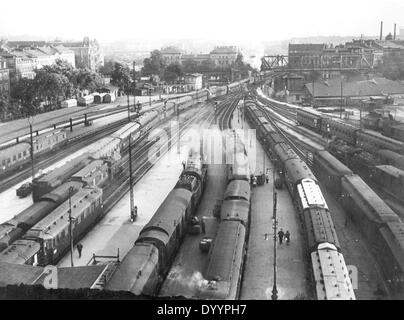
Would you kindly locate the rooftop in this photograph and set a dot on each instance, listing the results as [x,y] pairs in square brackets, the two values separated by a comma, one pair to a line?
[373,87]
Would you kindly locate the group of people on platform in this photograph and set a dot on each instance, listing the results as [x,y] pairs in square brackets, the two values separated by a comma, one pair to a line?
[284,235]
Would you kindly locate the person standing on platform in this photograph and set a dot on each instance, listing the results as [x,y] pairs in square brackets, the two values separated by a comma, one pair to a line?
[287,237]
[79,249]
[183,165]
[280,235]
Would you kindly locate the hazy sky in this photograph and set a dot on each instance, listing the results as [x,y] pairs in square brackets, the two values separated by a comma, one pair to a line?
[249,20]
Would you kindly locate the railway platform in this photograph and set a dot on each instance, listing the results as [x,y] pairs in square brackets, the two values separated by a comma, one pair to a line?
[258,270]
[116,231]
[185,277]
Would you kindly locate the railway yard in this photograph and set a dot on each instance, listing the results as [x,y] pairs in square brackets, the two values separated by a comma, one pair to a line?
[219,194]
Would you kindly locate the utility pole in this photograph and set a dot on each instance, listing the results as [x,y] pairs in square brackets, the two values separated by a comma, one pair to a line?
[127,97]
[134,84]
[132,200]
[340,109]
[275,222]
[71,226]
[31,121]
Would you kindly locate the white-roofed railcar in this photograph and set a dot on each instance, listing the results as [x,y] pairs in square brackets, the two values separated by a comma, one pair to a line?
[331,274]
[131,129]
[21,252]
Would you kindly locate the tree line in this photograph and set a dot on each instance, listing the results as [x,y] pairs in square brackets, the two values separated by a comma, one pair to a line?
[51,85]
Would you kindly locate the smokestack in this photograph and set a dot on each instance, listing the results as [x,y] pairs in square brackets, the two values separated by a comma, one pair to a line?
[381,30]
[395,26]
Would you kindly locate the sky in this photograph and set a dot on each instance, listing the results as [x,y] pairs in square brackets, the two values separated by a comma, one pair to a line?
[231,20]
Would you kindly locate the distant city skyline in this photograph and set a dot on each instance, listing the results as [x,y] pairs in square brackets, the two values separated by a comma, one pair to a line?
[223,20]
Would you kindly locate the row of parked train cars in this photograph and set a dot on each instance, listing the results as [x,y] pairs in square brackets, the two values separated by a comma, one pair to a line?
[145,266]
[39,234]
[15,156]
[328,269]
[372,155]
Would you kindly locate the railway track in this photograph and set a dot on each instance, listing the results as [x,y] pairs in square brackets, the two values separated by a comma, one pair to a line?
[73,145]
[222,118]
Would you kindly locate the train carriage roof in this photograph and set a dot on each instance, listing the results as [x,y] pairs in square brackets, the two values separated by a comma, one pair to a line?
[169,214]
[9,152]
[320,227]
[126,130]
[285,152]
[379,136]
[134,271]
[390,170]
[235,210]
[331,274]
[298,170]
[238,189]
[20,251]
[390,155]
[393,233]
[63,169]
[88,169]
[311,112]
[60,194]
[227,252]
[357,188]
[330,162]
[58,219]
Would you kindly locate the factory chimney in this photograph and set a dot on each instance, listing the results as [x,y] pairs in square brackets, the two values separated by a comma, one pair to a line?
[395,26]
[381,30]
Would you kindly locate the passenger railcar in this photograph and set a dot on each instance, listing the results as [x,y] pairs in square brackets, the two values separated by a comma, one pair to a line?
[49,181]
[310,118]
[339,129]
[52,232]
[21,252]
[138,272]
[319,229]
[328,262]
[224,271]
[329,170]
[17,155]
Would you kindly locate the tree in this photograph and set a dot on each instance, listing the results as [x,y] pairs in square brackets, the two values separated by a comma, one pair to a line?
[173,72]
[190,66]
[121,77]
[153,65]
[393,66]
[107,68]
[24,96]
[88,80]
[51,87]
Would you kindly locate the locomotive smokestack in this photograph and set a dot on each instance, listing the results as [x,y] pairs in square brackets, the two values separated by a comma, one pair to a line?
[395,27]
[381,30]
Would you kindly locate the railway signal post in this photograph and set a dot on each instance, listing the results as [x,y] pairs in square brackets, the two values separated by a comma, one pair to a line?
[133,209]
[274,222]
[31,121]
[71,226]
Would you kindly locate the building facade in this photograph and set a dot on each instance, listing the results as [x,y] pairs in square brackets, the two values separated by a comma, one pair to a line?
[20,63]
[87,53]
[4,80]
[24,57]
[194,81]
[223,56]
[171,55]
